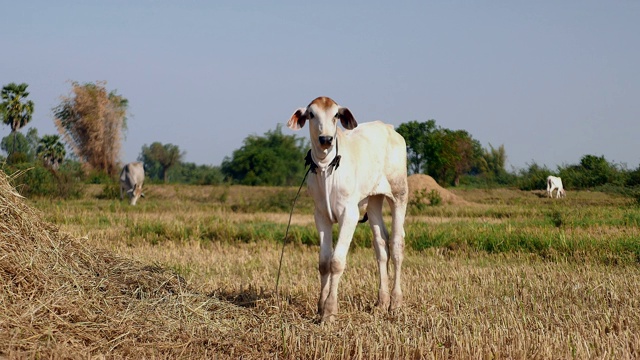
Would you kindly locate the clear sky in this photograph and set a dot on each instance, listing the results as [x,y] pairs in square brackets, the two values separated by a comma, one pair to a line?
[550,80]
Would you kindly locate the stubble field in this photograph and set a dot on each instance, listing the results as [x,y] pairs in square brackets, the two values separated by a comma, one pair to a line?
[190,272]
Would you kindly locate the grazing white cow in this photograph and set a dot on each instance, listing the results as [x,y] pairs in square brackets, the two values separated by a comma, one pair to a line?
[131,180]
[363,165]
[553,183]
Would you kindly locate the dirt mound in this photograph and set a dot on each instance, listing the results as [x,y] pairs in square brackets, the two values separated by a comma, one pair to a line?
[420,183]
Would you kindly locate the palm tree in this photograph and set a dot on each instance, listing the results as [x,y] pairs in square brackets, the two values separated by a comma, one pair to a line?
[51,150]
[15,110]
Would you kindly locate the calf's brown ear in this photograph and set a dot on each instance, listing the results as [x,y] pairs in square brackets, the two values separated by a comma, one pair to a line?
[346,118]
[297,120]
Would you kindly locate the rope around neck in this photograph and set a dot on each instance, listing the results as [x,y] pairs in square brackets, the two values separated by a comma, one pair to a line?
[312,167]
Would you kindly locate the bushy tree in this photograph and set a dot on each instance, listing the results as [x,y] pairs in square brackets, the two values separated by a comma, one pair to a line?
[51,151]
[458,154]
[190,173]
[534,177]
[633,177]
[20,148]
[158,158]
[17,143]
[442,153]
[92,122]
[33,140]
[420,146]
[15,109]
[272,159]
[492,166]
[592,171]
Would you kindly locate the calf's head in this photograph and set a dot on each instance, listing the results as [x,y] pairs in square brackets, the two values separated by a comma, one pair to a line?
[323,114]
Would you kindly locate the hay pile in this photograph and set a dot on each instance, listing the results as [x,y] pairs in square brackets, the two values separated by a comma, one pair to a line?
[60,297]
[419,182]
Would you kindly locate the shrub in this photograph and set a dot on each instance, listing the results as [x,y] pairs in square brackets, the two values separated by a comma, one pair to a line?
[421,199]
[434,198]
[593,171]
[533,178]
[17,158]
[36,180]
[99,177]
[635,195]
[110,190]
[417,203]
[69,185]
[557,218]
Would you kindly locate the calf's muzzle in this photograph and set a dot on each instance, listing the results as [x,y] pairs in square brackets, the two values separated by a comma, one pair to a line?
[325,140]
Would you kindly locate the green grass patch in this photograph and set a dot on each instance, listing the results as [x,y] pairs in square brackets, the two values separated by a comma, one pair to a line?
[585,226]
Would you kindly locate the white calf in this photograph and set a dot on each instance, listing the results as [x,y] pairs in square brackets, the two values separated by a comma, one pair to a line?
[553,183]
[372,163]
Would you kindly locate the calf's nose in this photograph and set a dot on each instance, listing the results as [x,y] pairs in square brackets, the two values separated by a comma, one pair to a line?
[325,140]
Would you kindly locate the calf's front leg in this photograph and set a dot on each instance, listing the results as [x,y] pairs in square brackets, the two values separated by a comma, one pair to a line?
[347,225]
[324,227]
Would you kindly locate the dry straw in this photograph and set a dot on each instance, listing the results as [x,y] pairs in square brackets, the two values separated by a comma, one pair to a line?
[61,297]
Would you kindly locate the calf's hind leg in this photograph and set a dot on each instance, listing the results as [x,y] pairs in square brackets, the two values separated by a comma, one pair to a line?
[396,247]
[380,241]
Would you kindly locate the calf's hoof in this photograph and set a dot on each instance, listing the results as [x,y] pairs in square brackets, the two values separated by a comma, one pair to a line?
[328,318]
[396,302]
[383,303]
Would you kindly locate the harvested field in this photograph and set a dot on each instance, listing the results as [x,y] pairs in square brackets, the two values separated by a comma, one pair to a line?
[96,278]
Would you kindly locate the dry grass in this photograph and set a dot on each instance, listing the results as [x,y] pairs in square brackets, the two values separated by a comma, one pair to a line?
[61,297]
[99,293]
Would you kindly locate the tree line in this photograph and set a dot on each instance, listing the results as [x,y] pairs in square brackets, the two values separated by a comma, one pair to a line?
[91,123]
[451,157]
